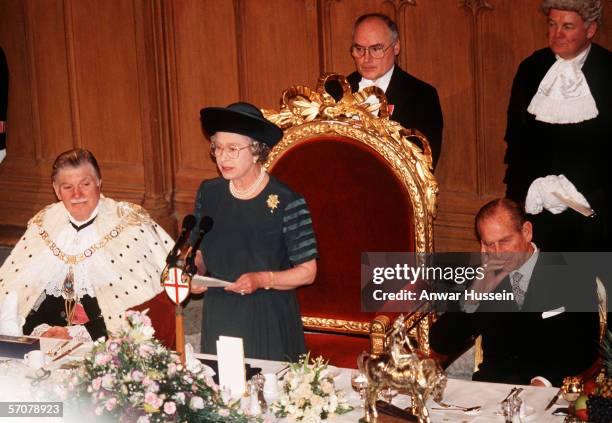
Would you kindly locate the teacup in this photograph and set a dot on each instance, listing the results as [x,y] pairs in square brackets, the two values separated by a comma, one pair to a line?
[34,359]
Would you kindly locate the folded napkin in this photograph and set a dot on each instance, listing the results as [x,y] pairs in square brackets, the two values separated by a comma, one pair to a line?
[540,195]
[10,321]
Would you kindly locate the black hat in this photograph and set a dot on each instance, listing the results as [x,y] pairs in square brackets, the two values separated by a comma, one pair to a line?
[243,119]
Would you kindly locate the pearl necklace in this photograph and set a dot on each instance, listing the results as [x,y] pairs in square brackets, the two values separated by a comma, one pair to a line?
[246,194]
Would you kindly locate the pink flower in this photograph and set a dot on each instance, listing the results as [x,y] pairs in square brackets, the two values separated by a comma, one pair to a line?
[169,407]
[171,369]
[145,350]
[223,412]
[113,346]
[153,400]
[196,403]
[95,384]
[108,381]
[138,376]
[111,403]
[102,358]
[153,387]
[146,320]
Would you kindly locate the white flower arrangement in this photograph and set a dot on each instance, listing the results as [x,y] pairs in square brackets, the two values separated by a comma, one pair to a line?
[308,393]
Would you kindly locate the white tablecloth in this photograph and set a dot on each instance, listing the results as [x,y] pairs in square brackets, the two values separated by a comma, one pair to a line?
[459,392]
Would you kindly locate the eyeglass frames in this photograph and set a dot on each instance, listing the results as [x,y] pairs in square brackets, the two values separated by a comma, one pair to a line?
[377,51]
[233,151]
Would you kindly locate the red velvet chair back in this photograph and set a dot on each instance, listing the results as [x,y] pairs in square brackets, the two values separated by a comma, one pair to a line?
[357,204]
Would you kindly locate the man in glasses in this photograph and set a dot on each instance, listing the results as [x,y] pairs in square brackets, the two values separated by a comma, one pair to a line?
[412,102]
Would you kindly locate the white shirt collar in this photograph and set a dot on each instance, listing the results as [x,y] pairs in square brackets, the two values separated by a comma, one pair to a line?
[91,216]
[382,82]
[563,95]
[526,268]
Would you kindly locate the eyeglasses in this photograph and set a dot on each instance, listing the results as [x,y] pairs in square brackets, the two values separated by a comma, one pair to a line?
[377,51]
[233,151]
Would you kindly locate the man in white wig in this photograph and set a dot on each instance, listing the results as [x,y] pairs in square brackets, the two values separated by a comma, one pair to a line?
[558,131]
[84,260]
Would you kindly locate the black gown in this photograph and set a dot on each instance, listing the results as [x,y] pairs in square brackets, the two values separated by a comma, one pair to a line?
[270,232]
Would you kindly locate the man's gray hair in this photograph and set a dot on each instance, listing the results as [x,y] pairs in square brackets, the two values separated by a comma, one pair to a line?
[387,20]
[589,10]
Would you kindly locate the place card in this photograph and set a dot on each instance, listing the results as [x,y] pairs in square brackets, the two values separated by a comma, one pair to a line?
[230,356]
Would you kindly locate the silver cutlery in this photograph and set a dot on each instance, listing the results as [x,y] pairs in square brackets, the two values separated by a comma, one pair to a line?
[453,407]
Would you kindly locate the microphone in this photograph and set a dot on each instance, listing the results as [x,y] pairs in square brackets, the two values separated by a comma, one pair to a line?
[206,224]
[188,223]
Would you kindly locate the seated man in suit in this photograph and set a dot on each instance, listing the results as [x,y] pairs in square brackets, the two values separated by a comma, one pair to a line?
[538,336]
[84,260]
[412,102]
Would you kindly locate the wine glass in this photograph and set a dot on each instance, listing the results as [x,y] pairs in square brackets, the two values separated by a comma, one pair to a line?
[359,383]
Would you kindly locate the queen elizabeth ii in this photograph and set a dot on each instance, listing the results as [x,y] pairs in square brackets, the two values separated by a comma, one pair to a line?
[262,239]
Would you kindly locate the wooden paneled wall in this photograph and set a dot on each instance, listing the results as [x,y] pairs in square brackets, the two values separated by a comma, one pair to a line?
[127,78]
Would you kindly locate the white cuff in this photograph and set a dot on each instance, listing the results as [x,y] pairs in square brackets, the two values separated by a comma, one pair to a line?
[470,307]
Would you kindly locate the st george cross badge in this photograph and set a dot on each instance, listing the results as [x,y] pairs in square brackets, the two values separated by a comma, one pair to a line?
[176,284]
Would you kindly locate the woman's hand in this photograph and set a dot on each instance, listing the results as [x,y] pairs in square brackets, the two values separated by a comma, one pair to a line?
[249,283]
[302,274]
[197,288]
[59,332]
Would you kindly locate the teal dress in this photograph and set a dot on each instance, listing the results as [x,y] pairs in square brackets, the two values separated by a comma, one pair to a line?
[270,232]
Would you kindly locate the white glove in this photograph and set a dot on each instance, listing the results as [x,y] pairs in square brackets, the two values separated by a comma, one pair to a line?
[540,195]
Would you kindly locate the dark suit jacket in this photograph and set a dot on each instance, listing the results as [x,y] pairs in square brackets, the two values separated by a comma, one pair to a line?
[518,346]
[415,105]
[579,151]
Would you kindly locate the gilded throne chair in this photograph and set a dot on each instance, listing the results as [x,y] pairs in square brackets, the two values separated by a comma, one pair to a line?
[369,186]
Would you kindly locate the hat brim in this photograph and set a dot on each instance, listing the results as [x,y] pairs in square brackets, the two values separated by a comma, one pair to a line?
[219,119]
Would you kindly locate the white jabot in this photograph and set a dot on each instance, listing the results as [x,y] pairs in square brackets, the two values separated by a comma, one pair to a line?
[382,83]
[564,95]
[10,321]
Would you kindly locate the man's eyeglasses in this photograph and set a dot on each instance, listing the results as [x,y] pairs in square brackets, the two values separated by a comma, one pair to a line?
[233,151]
[377,51]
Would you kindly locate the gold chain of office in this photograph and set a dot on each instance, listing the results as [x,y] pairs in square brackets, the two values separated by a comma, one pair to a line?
[77,258]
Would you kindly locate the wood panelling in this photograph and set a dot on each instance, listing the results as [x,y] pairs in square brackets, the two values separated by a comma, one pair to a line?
[49,76]
[14,40]
[106,79]
[203,70]
[287,31]
[127,78]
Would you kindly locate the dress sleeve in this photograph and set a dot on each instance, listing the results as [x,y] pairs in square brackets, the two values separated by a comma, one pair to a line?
[298,232]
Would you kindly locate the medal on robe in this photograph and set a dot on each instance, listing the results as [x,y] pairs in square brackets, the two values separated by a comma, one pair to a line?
[68,294]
